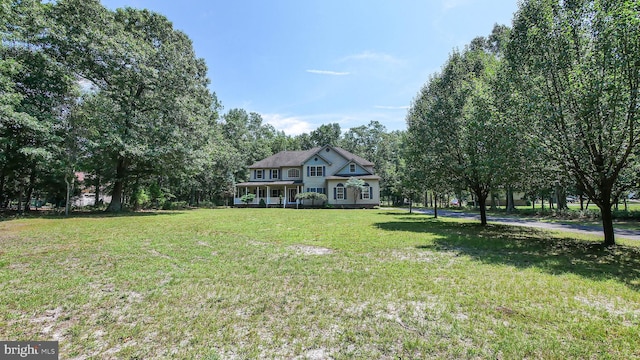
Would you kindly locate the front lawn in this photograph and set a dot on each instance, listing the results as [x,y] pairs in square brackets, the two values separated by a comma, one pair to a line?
[317,284]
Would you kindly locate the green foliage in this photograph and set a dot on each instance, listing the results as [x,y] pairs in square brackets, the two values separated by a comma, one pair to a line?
[140,199]
[356,186]
[150,99]
[175,205]
[458,135]
[326,134]
[313,196]
[576,65]
[247,198]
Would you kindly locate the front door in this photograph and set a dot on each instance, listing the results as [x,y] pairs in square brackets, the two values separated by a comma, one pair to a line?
[292,195]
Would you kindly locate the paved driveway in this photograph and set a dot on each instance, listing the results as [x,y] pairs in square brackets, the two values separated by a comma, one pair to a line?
[584,229]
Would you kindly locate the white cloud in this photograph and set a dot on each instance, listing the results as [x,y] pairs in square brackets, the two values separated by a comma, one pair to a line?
[373,56]
[291,125]
[451,4]
[383,107]
[298,124]
[328,72]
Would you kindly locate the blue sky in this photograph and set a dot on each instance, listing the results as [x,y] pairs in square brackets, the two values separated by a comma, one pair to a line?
[303,63]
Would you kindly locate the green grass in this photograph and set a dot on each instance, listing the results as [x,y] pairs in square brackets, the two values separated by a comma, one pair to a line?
[281,283]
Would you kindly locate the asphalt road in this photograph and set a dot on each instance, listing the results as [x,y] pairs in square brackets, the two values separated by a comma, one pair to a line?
[577,228]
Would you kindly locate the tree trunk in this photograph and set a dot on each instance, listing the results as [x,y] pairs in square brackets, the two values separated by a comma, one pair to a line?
[434,198]
[2,196]
[32,179]
[510,201]
[96,184]
[607,223]
[561,198]
[482,202]
[67,203]
[118,187]
[581,202]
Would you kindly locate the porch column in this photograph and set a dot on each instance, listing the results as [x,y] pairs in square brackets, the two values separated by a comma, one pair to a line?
[268,196]
[284,203]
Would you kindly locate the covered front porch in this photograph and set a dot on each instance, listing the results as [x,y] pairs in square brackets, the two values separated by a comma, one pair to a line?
[268,194]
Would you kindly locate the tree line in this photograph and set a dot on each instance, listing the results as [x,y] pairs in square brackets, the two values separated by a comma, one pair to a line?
[550,103]
[121,97]
[546,106]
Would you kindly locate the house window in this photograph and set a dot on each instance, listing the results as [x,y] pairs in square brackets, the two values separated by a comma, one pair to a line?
[260,192]
[317,190]
[352,168]
[340,192]
[366,192]
[259,174]
[275,193]
[293,173]
[315,170]
[274,173]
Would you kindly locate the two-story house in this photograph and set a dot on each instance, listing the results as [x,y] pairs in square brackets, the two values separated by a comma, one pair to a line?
[279,178]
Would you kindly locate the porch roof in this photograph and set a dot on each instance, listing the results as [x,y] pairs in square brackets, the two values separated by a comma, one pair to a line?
[346,177]
[269,183]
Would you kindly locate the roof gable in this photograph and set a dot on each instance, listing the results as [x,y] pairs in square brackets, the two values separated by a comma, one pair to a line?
[352,157]
[298,158]
[284,159]
[360,170]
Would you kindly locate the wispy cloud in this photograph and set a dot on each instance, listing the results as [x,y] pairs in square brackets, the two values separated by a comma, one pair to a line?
[383,107]
[328,72]
[291,125]
[298,124]
[372,56]
[451,4]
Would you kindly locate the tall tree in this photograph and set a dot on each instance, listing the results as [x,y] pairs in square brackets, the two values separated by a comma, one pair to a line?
[326,134]
[579,64]
[461,136]
[36,92]
[247,134]
[148,75]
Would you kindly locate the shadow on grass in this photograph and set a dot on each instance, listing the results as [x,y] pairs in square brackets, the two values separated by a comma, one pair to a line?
[83,214]
[526,247]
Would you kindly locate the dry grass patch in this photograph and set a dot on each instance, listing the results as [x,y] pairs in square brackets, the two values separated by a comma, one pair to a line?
[207,285]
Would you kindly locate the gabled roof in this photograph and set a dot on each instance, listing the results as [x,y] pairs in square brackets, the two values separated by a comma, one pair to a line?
[297,158]
[353,162]
[285,159]
[350,156]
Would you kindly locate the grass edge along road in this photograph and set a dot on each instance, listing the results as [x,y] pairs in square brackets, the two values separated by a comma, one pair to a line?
[282,283]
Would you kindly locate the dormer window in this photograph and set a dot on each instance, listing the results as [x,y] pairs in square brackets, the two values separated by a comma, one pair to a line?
[352,168]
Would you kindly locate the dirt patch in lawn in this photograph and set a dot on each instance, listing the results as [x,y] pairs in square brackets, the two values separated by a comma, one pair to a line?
[310,250]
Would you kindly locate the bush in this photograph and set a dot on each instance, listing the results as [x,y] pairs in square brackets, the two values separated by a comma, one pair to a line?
[247,198]
[175,205]
[207,204]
